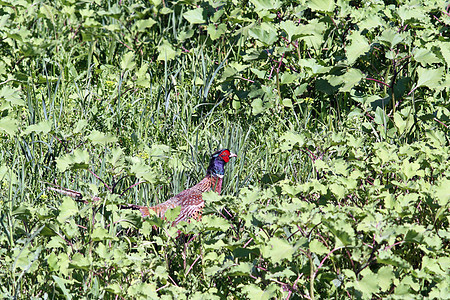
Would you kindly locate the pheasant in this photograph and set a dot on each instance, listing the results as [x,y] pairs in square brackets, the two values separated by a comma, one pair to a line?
[191,200]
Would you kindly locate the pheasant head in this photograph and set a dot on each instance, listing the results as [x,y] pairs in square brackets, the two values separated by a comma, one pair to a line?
[218,161]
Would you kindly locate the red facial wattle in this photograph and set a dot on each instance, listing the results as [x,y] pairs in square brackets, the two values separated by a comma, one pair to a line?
[225,155]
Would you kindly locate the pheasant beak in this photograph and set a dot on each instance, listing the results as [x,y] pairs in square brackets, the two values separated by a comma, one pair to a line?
[232,154]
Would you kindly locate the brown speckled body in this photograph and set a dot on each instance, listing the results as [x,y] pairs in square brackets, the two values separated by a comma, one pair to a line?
[190,200]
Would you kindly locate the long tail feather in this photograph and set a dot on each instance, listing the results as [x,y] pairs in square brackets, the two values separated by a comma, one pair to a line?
[71,193]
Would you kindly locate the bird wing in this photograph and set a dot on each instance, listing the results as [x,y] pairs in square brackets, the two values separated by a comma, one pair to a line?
[192,208]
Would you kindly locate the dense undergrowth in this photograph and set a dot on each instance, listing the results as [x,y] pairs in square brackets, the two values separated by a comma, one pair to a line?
[339,113]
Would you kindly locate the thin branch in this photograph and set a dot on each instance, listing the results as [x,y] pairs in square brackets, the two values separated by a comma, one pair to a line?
[323,260]
[198,257]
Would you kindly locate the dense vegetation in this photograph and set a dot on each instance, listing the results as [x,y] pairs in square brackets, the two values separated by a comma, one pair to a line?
[339,113]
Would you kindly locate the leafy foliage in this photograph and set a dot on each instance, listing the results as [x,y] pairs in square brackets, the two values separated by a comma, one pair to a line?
[338,111]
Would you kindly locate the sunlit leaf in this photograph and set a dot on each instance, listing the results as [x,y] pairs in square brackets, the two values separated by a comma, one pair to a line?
[128,62]
[443,192]
[216,32]
[61,283]
[172,214]
[322,5]
[277,250]
[392,37]
[358,47]
[100,234]
[317,247]
[79,261]
[41,127]
[166,51]
[78,160]
[429,77]
[385,277]
[292,29]
[215,223]
[8,125]
[425,57]
[11,95]
[144,171]
[67,209]
[194,16]
[266,4]
[267,36]
[99,138]
[368,284]
[144,25]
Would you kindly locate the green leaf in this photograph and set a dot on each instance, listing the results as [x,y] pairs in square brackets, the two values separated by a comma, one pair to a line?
[266,35]
[391,37]
[159,151]
[99,138]
[166,51]
[292,29]
[429,77]
[78,160]
[321,5]
[287,102]
[80,125]
[278,250]
[215,223]
[8,125]
[67,209]
[370,21]
[342,230]
[13,96]
[406,12]
[380,116]
[443,192]
[411,169]
[128,62]
[52,261]
[260,73]
[100,234]
[425,57]
[290,139]
[243,268]
[313,33]
[338,190]
[144,25]
[216,32]
[143,171]
[41,127]
[402,125]
[288,78]
[351,78]
[264,5]
[61,283]
[142,290]
[79,261]
[194,16]
[385,277]
[358,47]
[260,106]
[317,247]
[172,214]
[255,292]
[368,284]
[315,67]
[444,48]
